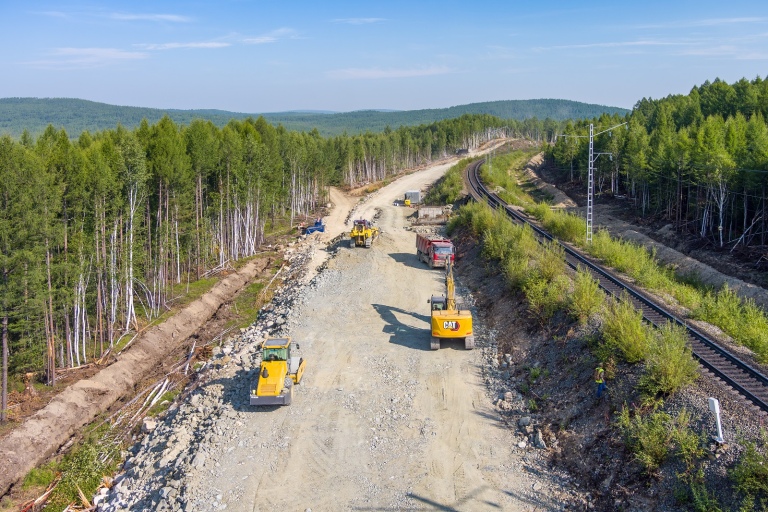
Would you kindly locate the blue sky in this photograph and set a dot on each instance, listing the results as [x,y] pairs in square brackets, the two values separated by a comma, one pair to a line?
[270,56]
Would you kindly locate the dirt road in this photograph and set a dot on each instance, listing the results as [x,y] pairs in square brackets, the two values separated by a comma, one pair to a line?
[379,422]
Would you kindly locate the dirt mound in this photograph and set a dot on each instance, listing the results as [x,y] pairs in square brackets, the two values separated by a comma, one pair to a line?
[44,432]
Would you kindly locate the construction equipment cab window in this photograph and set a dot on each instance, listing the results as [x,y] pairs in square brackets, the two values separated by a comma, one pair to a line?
[275,354]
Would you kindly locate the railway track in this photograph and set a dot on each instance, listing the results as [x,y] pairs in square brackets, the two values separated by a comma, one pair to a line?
[747,382]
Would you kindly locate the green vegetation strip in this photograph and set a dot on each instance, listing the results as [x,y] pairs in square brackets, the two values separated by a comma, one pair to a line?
[742,320]
[538,271]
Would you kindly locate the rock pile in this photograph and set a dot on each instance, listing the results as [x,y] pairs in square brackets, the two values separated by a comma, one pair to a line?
[153,474]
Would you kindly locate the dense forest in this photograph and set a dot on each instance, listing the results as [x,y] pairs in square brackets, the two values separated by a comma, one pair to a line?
[99,233]
[698,161]
[76,116]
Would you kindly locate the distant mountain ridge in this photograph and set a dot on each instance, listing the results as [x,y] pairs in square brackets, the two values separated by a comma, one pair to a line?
[76,115]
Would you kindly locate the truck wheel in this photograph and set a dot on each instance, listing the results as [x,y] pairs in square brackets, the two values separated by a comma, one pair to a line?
[352,243]
[368,242]
[435,343]
[469,342]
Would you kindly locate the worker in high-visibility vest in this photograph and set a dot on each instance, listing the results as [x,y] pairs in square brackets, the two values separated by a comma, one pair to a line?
[600,380]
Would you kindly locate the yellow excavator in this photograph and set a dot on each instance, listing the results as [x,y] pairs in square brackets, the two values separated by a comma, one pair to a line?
[363,233]
[278,372]
[449,322]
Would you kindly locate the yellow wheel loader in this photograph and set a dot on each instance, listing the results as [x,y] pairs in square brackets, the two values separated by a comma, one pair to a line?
[363,233]
[449,322]
[278,373]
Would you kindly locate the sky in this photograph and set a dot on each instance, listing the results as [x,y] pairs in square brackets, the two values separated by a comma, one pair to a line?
[259,56]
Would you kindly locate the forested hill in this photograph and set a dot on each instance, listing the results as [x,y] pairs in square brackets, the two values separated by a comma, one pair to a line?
[76,116]
[376,121]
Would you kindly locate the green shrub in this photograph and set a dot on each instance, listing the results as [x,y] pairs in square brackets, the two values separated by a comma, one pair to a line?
[754,330]
[587,298]
[569,227]
[648,437]
[689,446]
[498,239]
[546,297]
[750,476]
[670,366]
[745,322]
[623,328]
[699,497]
[686,295]
[540,211]
[722,309]
[550,261]
[516,272]
[478,217]
[503,173]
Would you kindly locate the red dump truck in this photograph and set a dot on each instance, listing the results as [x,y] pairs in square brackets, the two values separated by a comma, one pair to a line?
[434,249]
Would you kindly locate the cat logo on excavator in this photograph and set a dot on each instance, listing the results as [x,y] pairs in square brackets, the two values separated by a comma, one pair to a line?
[451,325]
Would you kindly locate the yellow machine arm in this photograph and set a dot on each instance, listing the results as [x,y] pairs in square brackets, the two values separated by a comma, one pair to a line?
[451,293]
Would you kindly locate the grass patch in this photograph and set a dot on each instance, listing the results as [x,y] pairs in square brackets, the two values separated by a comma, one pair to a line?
[448,188]
[40,478]
[83,467]
[248,303]
[165,401]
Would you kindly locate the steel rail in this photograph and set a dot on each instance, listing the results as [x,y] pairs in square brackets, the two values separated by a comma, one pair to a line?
[743,378]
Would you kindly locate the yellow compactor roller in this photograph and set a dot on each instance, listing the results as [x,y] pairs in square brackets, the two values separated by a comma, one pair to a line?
[278,373]
[449,322]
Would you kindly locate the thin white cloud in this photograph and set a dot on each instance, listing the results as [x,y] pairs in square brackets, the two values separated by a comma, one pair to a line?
[725,51]
[173,18]
[611,44]
[174,46]
[272,36]
[358,21]
[260,40]
[378,73]
[79,58]
[712,22]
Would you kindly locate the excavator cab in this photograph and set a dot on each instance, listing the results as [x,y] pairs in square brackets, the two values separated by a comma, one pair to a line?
[438,302]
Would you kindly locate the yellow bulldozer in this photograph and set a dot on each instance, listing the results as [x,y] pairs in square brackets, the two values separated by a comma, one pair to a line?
[449,322]
[363,233]
[278,373]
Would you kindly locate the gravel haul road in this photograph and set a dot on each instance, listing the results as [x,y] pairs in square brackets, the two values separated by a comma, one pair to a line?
[379,422]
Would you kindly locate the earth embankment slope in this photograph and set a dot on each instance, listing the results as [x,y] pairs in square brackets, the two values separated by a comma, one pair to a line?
[44,432]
